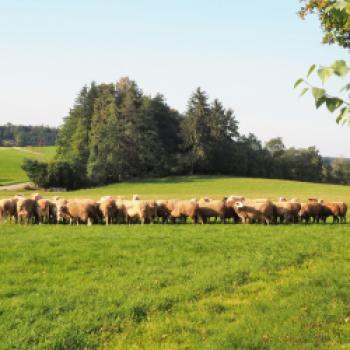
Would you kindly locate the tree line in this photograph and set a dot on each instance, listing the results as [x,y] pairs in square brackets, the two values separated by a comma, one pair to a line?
[114,132]
[25,135]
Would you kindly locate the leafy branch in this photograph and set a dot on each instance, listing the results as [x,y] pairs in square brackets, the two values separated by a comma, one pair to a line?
[333,103]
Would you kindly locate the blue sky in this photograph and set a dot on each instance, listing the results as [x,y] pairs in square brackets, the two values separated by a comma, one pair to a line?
[246,53]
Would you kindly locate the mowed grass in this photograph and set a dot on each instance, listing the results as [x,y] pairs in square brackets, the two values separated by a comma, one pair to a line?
[175,287]
[11,160]
[211,186]
[217,187]
[214,187]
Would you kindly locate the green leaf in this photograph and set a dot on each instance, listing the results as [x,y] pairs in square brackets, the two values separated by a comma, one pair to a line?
[304,91]
[298,82]
[333,103]
[340,68]
[341,115]
[325,73]
[318,93]
[311,70]
[345,88]
[320,101]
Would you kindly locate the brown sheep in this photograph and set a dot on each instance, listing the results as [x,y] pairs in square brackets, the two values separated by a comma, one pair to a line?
[36,196]
[343,209]
[183,209]
[163,212]
[312,210]
[83,211]
[122,215]
[43,210]
[109,210]
[27,210]
[62,211]
[52,212]
[331,209]
[137,210]
[211,208]
[247,214]
[8,209]
[287,212]
[256,212]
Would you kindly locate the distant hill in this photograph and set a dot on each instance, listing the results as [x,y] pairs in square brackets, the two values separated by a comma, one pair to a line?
[11,159]
[27,135]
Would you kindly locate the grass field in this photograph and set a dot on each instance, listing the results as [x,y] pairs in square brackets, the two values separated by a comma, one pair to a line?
[175,287]
[215,187]
[11,160]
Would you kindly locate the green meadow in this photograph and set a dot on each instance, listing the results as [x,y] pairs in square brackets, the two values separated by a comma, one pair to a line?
[175,287]
[214,187]
[11,159]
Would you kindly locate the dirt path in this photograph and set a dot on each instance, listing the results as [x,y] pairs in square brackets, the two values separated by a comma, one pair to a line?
[27,151]
[16,187]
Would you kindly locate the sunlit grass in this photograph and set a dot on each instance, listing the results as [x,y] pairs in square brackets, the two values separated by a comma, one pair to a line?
[183,287]
[215,187]
[11,160]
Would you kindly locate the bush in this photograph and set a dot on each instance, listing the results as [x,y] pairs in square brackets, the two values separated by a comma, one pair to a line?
[64,174]
[37,171]
[54,174]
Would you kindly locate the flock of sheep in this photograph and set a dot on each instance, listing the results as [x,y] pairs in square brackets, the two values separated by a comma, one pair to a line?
[107,210]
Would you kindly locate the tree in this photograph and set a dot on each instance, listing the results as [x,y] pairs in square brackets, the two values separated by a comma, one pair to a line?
[37,171]
[209,132]
[196,133]
[115,132]
[275,146]
[102,165]
[74,136]
[139,139]
[25,135]
[341,171]
[334,16]
[223,132]
[167,126]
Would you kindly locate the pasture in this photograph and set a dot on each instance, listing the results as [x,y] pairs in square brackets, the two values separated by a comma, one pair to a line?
[178,286]
[213,186]
[175,287]
[11,159]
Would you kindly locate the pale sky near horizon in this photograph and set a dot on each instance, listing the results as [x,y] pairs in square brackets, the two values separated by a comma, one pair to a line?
[246,53]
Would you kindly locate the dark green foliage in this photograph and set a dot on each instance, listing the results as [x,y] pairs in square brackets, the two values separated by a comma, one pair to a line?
[209,133]
[294,164]
[74,136]
[20,135]
[37,171]
[53,174]
[65,175]
[340,171]
[114,133]
[104,138]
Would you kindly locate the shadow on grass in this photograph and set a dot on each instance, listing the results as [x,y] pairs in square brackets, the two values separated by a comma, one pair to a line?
[5,182]
[163,180]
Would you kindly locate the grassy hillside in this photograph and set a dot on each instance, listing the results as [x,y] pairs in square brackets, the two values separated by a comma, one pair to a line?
[175,287]
[216,187]
[11,160]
